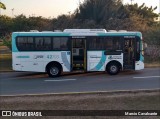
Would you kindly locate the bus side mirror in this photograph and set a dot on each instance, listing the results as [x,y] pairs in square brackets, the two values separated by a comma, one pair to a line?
[145,45]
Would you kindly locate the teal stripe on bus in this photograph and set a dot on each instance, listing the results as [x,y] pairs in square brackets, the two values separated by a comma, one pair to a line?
[100,64]
[14,47]
[22,57]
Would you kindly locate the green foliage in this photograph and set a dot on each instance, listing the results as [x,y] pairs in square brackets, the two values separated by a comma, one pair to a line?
[142,10]
[100,10]
[2,6]
[146,13]
[152,36]
[5,25]
[62,22]
[7,41]
[22,23]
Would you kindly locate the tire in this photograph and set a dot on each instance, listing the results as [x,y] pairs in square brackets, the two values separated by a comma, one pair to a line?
[54,71]
[113,68]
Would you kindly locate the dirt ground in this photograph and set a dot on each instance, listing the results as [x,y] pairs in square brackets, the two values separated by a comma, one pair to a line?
[134,100]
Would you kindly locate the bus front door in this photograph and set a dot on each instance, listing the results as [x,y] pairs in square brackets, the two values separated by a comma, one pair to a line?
[129,53]
[78,54]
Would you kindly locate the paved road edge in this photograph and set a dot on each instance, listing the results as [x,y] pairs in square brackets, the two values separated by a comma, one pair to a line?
[118,92]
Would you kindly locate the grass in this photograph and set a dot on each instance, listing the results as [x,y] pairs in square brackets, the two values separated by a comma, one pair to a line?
[5,62]
[94,101]
[1,43]
[151,60]
[5,56]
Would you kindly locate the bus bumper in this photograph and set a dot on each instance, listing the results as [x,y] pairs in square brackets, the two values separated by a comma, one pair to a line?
[139,65]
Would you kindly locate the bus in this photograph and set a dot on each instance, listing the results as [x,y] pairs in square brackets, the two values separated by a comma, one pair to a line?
[77,50]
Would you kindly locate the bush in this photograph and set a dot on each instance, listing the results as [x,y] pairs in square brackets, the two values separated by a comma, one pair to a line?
[7,41]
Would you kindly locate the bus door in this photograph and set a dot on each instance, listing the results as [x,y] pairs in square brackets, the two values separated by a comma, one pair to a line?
[78,53]
[129,53]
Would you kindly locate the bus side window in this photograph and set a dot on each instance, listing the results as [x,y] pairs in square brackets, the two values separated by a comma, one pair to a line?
[25,43]
[30,43]
[47,43]
[113,43]
[92,44]
[38,43]
[109,44]
[60,43]
[63,44]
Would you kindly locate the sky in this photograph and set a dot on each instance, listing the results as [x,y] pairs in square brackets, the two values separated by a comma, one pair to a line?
[53,8]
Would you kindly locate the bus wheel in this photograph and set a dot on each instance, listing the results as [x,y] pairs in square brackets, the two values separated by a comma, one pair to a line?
[53,71]
[113,68]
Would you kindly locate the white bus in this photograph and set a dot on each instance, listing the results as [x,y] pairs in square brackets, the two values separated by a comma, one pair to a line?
[77,50]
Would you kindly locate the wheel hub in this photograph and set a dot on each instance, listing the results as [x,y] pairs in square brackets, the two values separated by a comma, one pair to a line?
[54,70]
[113,68]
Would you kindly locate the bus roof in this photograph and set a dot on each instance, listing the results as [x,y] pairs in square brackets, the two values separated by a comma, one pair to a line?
[79,32]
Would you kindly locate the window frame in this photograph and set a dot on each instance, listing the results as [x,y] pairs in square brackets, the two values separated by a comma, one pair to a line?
[69,45]
[20,50]
[43,43]
[104,41]
[34,43]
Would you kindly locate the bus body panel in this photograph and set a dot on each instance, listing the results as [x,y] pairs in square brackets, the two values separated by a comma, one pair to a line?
[97,60]
[117,58]
[139,65]
[37,61]
[16,63]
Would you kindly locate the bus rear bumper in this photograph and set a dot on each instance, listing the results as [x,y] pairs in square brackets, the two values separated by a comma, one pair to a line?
[139,65]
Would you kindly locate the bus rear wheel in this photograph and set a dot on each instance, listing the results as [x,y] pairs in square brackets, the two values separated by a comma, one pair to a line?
[53,71]
[113,68]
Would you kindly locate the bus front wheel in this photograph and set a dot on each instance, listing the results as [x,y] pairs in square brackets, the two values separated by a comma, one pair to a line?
[54,71]
[113,68]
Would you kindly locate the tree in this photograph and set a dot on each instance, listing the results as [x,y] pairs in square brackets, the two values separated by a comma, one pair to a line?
[7,41]
[22,23]
[153,36]
[39,23]
[5,25]
[112,14]
[98,10]
[63,22]
[146,13]
[2,5]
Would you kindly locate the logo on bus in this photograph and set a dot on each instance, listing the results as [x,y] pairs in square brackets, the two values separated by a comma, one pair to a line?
[38,56]
[114,57]
[110,57]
